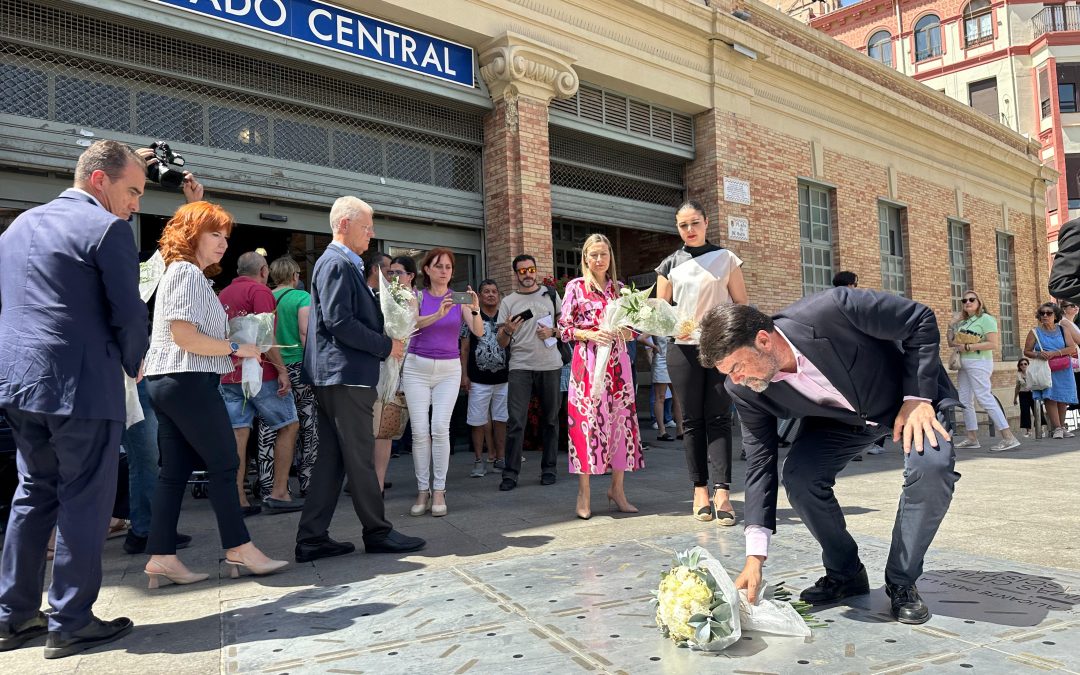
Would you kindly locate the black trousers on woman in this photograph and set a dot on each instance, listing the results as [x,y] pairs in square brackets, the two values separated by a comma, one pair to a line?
[193,422]
[706,410]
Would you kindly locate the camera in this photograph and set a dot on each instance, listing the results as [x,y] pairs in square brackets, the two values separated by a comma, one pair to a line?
[163,172]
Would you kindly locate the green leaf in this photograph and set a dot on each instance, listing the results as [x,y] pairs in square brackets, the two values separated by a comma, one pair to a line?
[703,634]
[722,614]
[721,630]
[695,557]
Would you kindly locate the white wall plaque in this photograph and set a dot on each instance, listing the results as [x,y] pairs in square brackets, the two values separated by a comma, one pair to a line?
[736,191]
[738,229]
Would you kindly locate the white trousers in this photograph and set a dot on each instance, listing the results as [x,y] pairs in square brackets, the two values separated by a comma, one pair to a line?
[973,382]
[430,384]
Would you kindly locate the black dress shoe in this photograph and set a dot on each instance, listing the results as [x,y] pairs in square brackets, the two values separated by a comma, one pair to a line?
[306,551]
[394,542]
[507,484]
[907,605]
[828,590]
[251,510]
[63,643]
[13,636]
[135,544]
[547,479]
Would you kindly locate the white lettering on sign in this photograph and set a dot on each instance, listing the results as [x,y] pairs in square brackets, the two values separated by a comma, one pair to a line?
[376,44]
[736,191]
[320,13]
[344,28]
[280,9]
[738,229]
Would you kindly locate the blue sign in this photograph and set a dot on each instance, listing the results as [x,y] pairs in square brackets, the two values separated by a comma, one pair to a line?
[325,25]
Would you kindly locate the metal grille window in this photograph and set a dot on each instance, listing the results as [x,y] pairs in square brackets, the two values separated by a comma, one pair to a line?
[815,231]
[156,83]
[567,239]
[587,163]
[893,273]
[1006,266]
[619,112]
[959,255]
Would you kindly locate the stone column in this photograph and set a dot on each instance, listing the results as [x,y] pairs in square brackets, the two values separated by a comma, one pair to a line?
[522,76]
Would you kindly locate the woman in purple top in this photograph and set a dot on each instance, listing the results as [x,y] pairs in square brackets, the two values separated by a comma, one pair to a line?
[431,377]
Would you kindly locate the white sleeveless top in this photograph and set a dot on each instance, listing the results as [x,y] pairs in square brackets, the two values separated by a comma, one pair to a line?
[701,283]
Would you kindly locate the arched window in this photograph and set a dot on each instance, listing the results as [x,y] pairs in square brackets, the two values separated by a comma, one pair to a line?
[978,23]
[879,47]
[927,37]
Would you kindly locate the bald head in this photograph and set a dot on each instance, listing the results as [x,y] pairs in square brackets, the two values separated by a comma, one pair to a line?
[250,264]
[348,207]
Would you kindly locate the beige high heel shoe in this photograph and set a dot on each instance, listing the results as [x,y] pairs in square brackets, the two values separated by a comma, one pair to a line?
[625,507]
[422,507]
[178,578]
[438,510]
[258,569]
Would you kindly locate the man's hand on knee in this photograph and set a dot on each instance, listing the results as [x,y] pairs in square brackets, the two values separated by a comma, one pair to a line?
[916,421]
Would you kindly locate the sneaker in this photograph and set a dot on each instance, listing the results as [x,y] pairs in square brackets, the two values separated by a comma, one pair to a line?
[479,469]
[656,426]
[967,443]
[1067,433]
[875,450]
[499,465]
[1006,445]
[670,424]
[1059,433]
[1027,434]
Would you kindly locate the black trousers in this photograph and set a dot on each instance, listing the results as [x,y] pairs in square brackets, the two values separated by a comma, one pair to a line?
[519,391]
[67,479]
[193,422]
[346,448]
[822,450]
[706,416]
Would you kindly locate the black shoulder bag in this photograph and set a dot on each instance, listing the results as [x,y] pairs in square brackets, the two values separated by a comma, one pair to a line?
[565,350]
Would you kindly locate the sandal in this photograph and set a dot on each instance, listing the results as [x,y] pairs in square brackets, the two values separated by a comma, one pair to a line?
[665,437]
[118,529]
[704,513]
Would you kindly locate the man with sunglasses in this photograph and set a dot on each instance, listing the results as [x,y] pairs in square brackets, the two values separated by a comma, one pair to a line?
[526,325]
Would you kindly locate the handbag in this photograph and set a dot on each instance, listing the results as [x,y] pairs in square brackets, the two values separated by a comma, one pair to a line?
[955,361]
[1038,372]
[390,418]
[565,350]
[1058,363]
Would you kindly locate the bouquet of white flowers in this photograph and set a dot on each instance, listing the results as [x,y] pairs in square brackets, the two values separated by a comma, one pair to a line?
[255,329]
[398,304]
[632,309]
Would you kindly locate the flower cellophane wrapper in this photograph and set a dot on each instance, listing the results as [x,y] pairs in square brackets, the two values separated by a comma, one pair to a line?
[254,329]
[680,602]
[399,310]
[772,616]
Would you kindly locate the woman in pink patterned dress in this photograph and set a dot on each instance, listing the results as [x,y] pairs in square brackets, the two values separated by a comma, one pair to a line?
[603,430]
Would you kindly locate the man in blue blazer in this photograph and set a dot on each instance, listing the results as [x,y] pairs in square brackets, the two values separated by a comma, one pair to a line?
[852,365]
[344,347]
[71,324]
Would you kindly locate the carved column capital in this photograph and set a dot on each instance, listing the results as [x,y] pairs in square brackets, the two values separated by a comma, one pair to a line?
[513,65]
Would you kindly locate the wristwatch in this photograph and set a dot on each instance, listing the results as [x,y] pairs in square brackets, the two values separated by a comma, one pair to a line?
[234,347]
[476,312]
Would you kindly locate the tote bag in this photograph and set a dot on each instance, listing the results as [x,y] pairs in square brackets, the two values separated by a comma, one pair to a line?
[1038,372]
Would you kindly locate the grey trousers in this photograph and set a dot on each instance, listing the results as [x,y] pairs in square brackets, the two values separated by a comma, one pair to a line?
[822,449]
[519,391]
[346,448]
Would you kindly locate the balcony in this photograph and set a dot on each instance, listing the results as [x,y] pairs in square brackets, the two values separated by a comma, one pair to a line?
[1056,19]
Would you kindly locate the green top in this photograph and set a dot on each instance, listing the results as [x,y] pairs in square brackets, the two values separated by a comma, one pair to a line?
[980,325]
[289,302]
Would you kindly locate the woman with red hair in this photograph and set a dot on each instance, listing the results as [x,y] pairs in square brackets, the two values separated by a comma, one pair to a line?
[189,351]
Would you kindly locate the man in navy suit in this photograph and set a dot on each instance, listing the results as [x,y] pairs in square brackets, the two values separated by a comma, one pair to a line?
[852,365]
[71,324]
[344,347]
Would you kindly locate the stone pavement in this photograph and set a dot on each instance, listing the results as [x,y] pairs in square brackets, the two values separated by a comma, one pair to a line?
[513,581]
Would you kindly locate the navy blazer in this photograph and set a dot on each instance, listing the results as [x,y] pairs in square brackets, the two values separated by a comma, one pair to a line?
[70,312]
[345,326]
[874,347]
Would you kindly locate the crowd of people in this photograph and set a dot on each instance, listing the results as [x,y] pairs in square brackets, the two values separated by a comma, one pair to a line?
[73,332]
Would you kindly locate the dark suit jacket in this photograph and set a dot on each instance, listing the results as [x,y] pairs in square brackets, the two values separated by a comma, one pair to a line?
[70,312]
[345,339]
[1065,274]
[874,347]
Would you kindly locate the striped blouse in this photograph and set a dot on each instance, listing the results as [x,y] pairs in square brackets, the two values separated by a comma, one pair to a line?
[185,294]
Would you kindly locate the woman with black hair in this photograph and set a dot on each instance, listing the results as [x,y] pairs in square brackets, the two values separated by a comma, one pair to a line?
[695,278]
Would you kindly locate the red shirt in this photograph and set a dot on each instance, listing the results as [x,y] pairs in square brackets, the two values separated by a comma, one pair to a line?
[247,296]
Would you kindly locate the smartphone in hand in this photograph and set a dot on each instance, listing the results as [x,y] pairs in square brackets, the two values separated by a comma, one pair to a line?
[461,297]
[524,316]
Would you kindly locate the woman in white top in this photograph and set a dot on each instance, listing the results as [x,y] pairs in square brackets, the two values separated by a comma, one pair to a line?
[189,351]
[695,278]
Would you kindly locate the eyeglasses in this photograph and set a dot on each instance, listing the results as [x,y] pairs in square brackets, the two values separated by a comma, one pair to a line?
[1046,312]
[526,270]
[1067,306]
[967,300]
[396,273]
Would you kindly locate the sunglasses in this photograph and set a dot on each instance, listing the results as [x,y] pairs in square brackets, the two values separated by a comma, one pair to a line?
[1067,306]
[967,300]
[526,270]
[1046,312]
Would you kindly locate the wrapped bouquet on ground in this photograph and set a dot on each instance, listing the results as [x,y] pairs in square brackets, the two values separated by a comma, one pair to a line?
[697,606]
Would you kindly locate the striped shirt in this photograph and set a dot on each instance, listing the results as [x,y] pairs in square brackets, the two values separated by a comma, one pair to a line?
[185,294]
